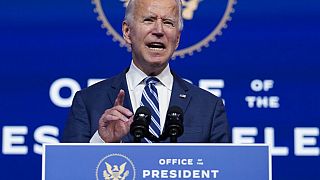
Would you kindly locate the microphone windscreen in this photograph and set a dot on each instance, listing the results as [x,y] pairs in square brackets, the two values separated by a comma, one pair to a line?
[175,109]
[143,110]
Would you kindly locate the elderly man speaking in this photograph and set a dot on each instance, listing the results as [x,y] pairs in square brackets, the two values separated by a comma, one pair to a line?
[104,112]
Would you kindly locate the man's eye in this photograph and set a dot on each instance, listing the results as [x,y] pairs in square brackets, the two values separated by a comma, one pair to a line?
[148,20]
[169,23]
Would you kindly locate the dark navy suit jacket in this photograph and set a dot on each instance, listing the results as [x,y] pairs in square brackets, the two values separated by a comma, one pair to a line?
[204,114]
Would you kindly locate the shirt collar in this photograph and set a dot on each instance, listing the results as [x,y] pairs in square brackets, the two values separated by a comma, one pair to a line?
[135,77]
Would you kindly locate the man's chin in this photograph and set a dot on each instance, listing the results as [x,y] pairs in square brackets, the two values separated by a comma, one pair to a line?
[158,57]
[157,61]
[156,65]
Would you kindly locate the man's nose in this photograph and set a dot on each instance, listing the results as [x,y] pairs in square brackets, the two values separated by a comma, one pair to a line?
[158,28]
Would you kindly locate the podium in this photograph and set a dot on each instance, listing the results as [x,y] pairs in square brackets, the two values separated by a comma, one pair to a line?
[156,161]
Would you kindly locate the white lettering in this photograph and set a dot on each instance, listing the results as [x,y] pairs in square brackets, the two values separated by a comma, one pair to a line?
[215,173]
[176,161]
[55,88]
[155,174]
[14,135]
[274,102]
[267,84]
[250,100]
[164,174]
[186,174]
[263,102]
[145,173]
[93,81]
[214,86]
[180,174]
[269,139]
[243,135]
[173,174]
[162,161]
[302,140]
[258,85]
[41,135]
[196,174]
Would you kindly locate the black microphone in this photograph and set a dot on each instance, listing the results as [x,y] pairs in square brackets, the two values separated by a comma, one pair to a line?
[173,127]
[139,128]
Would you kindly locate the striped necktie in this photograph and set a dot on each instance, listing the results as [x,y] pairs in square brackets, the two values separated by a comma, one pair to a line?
[150,100]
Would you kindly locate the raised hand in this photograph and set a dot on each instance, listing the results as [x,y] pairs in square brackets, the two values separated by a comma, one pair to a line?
[115,122]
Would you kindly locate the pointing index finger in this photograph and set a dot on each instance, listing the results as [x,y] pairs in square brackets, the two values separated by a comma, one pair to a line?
[120,98]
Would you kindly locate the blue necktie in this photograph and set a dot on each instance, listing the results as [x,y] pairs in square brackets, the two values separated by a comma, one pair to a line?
[150,100]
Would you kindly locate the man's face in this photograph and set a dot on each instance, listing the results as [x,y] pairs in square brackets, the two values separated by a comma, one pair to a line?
[153,34]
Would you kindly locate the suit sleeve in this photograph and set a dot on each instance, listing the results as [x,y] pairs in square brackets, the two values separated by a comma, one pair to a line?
[77,128]
[220,127]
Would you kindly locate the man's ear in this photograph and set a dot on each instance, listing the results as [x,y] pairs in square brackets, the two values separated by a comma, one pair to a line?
[178,40]
[126,32]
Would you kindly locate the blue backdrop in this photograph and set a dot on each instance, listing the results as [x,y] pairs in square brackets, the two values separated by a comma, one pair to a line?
[261,57]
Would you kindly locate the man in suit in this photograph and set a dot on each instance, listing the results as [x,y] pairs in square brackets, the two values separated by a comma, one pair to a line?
[104,111]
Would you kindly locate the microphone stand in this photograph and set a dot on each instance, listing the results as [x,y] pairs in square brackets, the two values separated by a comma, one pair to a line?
[173,139]
[153,138]
[136,140]
[138,134]
[173,135]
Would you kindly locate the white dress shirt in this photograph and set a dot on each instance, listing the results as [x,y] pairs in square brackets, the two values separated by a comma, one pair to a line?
[136,86]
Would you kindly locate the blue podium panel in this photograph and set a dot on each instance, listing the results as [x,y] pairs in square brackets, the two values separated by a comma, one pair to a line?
[156,161]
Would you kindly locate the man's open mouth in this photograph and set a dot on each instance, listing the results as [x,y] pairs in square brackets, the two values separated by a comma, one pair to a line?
[156,46]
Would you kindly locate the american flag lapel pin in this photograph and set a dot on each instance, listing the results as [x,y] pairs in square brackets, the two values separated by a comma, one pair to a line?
[183,96]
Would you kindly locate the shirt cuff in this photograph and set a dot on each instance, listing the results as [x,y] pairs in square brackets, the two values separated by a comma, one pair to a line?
[96,138]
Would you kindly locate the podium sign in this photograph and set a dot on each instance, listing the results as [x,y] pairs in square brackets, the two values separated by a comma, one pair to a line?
[156,161]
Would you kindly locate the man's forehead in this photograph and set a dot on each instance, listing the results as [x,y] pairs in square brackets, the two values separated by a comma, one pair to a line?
[167,8]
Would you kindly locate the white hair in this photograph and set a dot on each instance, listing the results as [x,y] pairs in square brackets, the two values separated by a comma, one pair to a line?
[131,5]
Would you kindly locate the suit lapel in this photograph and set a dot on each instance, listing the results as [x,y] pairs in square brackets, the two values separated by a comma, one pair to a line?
[119,83]
[179,96]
